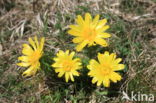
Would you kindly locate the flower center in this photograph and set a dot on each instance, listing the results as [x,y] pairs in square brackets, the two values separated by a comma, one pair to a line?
[35,57]
[89,33]
[105,69]
[67,65]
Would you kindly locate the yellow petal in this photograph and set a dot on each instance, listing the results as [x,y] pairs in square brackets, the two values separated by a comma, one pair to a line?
[77,60]
[78,65]
[23,64]
[96,20]
[77,39]
[93,64]
[99,83]
[105,57]
[102,29]
[91,43]
[72,55]
[60,74]
[27,50]
[67,52]
[101,58]
[81,46]
[115,77]
[89,73]
[74,33]
[101,42]
[119,67]
[24,58]
[67,76]
[56,65]
[75,73]
[71,76]
[30,71]
[94,80]
[88,18]
[101,23]
[118,60]
[42,43]
[80,20]
[106,53]
[58,70]
[32,43]
[111,57]
[105,35]
[106,82]
[76,28]
[60,53]
[55,59]
[36,41]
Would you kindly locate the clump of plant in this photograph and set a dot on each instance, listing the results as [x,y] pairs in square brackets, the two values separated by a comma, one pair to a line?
[87,32]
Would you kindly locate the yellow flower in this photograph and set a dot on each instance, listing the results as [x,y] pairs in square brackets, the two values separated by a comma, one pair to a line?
[31,56]
[104,71]
[89,32]
[65,64]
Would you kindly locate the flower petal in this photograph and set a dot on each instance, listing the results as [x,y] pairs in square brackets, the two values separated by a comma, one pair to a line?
[118,60]
[32,43]
[101,23]
[24,58]
[67,52]
[42,43]
[88,19]
[99,82]
[119,67]
[101,42]
[77,39]
[60,74]
[73,32]
[75,73]
[30,71]
[93,64]
[102,29]
[72,55]
[67,76]
[95,20]
[76,28]
[80,20]
[23,64]
[105,35]
[94,80]
[81,46]
[27,50]
[106,82]
[36,41]
[115,77]
[71,76]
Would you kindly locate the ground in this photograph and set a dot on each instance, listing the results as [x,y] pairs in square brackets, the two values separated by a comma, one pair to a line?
[133,29]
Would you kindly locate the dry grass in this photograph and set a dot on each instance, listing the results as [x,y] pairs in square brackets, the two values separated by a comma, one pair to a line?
[133,38]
